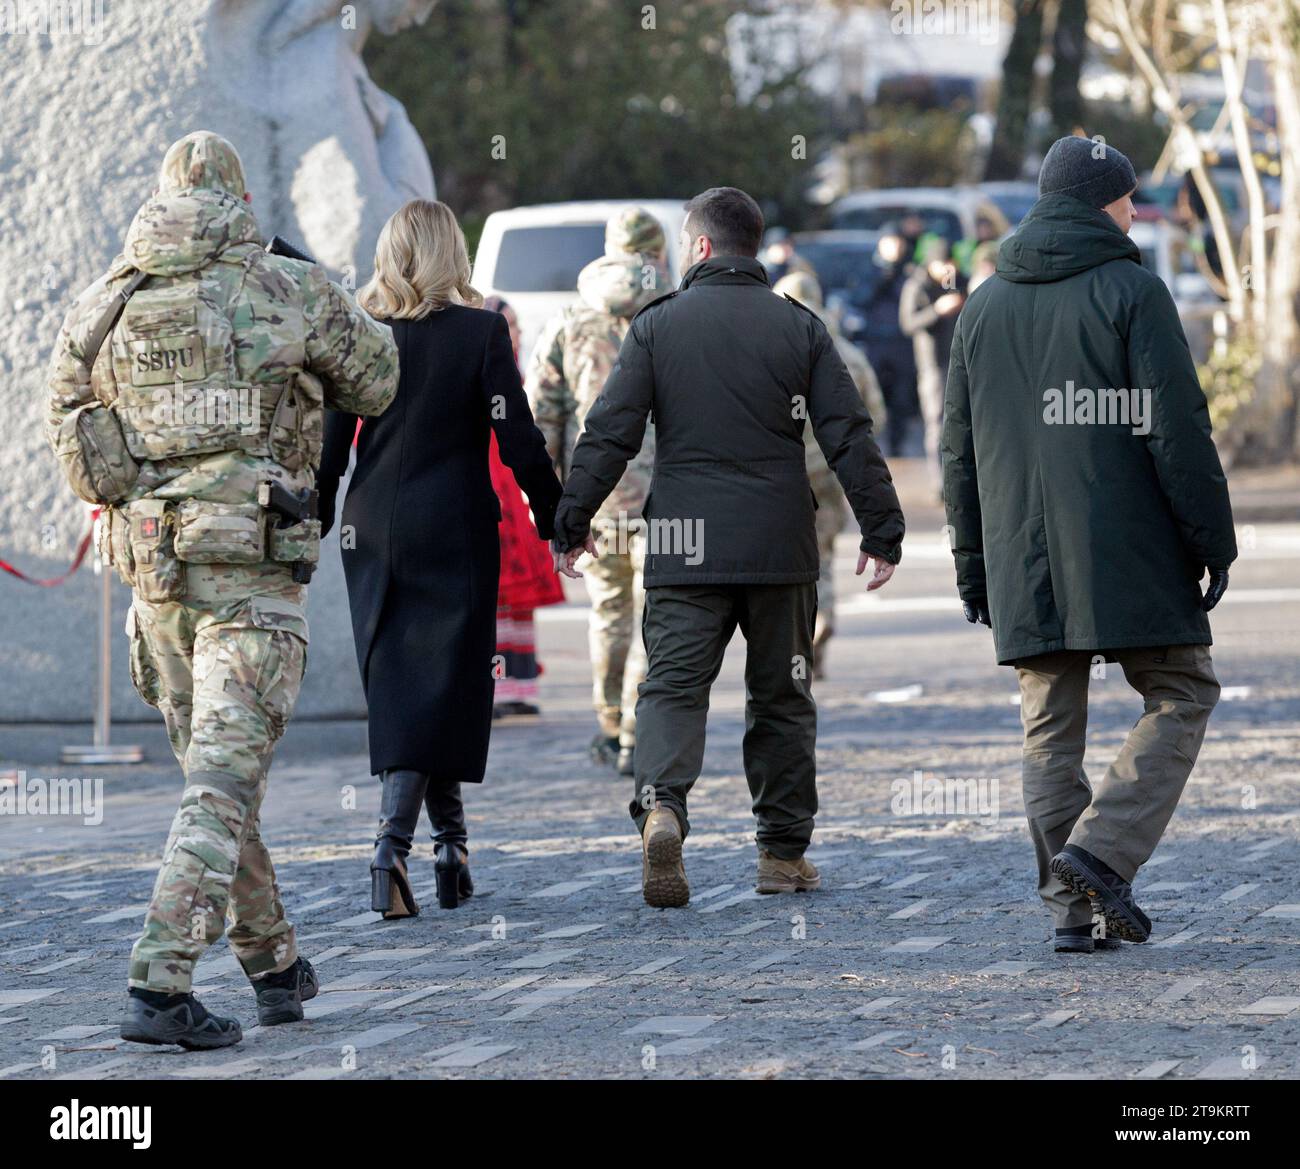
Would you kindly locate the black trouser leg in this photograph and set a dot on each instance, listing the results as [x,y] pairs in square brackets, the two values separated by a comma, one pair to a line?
[686,630]
[780,742]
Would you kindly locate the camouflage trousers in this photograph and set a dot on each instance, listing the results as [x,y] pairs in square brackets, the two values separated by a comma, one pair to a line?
[618,662]
[831,510]
[223,664]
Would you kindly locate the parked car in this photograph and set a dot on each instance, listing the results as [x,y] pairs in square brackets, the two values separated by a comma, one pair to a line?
[1155,201]
[1014,199]
[952,212]
[531,256]
[1165,251]
[841,259]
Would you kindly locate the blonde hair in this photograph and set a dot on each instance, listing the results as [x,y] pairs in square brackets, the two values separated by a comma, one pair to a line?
[421,264]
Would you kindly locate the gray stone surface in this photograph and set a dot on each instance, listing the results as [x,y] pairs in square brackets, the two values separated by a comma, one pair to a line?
[788,986]
[329,157]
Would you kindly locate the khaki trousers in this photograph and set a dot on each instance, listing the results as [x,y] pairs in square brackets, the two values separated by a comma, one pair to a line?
[618,662]
[1123,819]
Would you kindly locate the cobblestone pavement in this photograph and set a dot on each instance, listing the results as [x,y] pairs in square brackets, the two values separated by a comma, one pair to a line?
[924,955]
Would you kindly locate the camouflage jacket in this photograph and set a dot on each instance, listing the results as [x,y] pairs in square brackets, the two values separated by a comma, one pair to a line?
[199,361]
[826,487]
[575,353]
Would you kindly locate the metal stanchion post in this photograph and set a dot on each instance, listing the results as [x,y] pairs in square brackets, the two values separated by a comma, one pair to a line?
[101,749]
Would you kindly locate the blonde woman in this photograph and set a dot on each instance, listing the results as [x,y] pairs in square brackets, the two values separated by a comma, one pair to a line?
[419,540]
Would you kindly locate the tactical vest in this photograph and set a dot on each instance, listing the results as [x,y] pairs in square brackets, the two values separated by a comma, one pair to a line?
[178,387]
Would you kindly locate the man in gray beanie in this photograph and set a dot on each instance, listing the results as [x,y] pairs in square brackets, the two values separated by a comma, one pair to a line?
[1088,170]
[1085,502]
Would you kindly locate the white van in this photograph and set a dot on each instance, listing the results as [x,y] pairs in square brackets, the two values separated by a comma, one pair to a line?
[531,256]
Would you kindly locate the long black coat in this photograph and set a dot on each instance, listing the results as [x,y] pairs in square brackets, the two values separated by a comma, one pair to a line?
[419,537]
[732,374]
[1081,533]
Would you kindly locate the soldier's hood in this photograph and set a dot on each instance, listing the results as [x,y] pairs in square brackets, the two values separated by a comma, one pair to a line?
[185,230]
[617,283]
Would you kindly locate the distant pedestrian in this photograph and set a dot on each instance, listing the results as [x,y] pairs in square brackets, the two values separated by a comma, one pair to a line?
[570,365]
[889,349]
[831,508]
[528,581]
[1086,501]
[931,299]
[732,374]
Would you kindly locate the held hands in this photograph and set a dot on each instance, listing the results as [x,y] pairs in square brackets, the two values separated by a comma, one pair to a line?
[1215,589]
[564,561]
[977,612]
[880,574]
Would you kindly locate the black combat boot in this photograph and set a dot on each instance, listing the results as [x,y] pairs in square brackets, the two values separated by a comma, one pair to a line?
[451,866]
[399,813]
[604,750]
[1073,939]
[159,1018]
[280,996]
[1081,872]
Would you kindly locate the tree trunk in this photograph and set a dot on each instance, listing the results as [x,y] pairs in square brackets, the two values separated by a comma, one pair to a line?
[1277,385]
[1069,41]
[1007,153]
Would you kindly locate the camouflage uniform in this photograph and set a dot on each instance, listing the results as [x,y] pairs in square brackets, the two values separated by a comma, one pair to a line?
[832,507]
[218,372]
[574,356]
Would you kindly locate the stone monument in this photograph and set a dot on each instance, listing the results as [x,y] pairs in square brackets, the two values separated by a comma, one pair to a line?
[95,93]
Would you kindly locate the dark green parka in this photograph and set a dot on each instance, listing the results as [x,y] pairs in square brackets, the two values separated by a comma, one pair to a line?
[1084,515]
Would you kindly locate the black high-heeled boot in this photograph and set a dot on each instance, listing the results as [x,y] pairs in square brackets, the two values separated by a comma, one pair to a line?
[399,812]
[451,866]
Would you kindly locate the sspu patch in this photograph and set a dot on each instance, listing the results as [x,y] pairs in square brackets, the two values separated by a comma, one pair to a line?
[160,361]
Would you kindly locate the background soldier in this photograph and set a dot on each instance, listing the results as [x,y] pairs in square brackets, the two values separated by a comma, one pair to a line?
[573,358]
[199,422]
[831,504]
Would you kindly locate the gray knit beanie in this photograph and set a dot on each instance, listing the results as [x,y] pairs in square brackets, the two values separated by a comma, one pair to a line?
[1086,170]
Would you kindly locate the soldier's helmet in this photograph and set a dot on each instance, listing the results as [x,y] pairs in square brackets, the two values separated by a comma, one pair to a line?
[803,287]
[202,159]
[634,230]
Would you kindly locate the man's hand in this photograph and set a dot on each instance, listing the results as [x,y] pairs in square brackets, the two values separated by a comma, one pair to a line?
[948,303]
[977,612]
[1215,589]
[880,574]
[564,561]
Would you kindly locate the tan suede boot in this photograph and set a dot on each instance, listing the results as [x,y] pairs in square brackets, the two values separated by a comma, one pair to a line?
[779,876]
[663,876]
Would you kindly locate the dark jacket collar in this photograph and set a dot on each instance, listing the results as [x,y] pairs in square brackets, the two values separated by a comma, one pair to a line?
[726,270]
[1061,237]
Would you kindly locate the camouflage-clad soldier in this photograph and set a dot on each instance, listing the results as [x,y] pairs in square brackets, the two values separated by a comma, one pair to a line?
[574,356]
[198,420]
[831,504]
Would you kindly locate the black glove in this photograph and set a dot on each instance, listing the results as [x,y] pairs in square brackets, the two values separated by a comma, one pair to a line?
[1215,589]
[325,513]
[977,612]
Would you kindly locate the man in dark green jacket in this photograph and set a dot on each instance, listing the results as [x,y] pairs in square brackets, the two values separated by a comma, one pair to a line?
[732,375]
[1085,503]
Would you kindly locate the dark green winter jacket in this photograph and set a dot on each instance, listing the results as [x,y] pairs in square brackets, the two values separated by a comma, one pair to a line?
[1086,516]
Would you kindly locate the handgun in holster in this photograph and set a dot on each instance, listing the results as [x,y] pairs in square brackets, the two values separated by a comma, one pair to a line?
[284,505]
